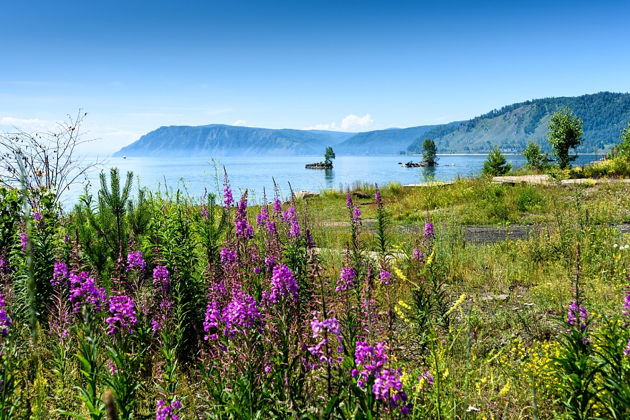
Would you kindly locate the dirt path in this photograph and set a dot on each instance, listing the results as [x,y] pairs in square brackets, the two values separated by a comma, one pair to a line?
[532,179]
[475,234]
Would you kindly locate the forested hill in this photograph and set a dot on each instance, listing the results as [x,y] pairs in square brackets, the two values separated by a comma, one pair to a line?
[390,141]
[226,140]
[604,115]
[511,127]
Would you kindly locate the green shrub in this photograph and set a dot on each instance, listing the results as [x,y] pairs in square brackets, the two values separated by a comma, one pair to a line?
[496,164]
[615,167]
[528,198]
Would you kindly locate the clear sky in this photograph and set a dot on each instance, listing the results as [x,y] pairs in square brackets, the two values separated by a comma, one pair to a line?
[346,65]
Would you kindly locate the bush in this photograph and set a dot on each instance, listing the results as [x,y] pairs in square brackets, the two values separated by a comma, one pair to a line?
[496,164]
[536,159]
[616,167]
[528,198]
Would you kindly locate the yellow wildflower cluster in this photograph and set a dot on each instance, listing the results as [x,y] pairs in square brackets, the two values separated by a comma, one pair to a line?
[534,364]
[400,310]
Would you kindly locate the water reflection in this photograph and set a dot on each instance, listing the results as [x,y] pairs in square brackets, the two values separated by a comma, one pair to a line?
[329,177]
[428,173]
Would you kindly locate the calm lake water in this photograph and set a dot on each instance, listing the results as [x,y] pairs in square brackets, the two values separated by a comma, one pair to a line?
[198,175]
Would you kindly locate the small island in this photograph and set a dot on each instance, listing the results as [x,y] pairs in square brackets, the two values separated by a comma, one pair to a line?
[329,155]
[429,156]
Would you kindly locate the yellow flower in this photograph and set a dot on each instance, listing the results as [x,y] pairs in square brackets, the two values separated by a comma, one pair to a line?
[505,389]
[404,304]
[459,301]
[400,274]
[430,259]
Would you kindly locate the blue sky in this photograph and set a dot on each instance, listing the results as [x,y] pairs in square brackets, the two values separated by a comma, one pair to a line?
[346,65]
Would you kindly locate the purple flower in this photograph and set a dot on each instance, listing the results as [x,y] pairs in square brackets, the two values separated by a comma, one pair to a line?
[135,261]
[283,284]
[204,212]
[84,292]
[349,203]
[356,215]
[385,277]
[417,255]
[111,366]
[310,242]
[277,206]
[211,321]
[163,314]
[227,256]
[325,351]
[228,198]
[241,225]
[60,321]
[60,274]
[369,360]
[269,262]
[627,349]
[388,388]
[166,411]
[377,197]
[24,241]
[37,216]
[626,310]
[4,265]
[347,279]
[5,321]
[577,315]
[123,314]
[427,377]
[428,231]
[241,314]
[263,217]
[161,277]
[290,216]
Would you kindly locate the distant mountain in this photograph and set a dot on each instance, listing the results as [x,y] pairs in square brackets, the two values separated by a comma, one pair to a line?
[227,140]
[390,141]
[604,115]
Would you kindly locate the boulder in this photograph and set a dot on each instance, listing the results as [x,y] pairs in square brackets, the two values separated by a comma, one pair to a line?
[303,194]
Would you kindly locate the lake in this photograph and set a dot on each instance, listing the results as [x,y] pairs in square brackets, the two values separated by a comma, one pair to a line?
[199,174]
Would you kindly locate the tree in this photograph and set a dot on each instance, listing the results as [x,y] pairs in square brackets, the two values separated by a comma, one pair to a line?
[622,150]
[44,161]
[329,155]
[429,152]
[536,159]
[565,132]
[496,164]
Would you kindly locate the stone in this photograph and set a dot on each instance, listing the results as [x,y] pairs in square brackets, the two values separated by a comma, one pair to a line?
[304,194]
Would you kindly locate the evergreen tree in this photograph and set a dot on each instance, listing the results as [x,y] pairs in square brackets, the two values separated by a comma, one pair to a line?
[536,159]
[565,132]
[496,164]
[429,152]
[622,150]
[329,155]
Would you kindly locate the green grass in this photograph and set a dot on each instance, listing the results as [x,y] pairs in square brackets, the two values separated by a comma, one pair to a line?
[490,356]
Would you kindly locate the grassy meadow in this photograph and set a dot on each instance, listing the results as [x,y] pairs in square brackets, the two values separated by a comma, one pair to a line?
[465,301]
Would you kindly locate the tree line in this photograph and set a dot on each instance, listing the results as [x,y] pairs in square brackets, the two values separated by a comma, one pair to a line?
[564,135]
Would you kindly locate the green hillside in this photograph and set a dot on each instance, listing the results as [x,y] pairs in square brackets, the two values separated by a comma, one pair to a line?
[604,115]
[227,140]
[391,141]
